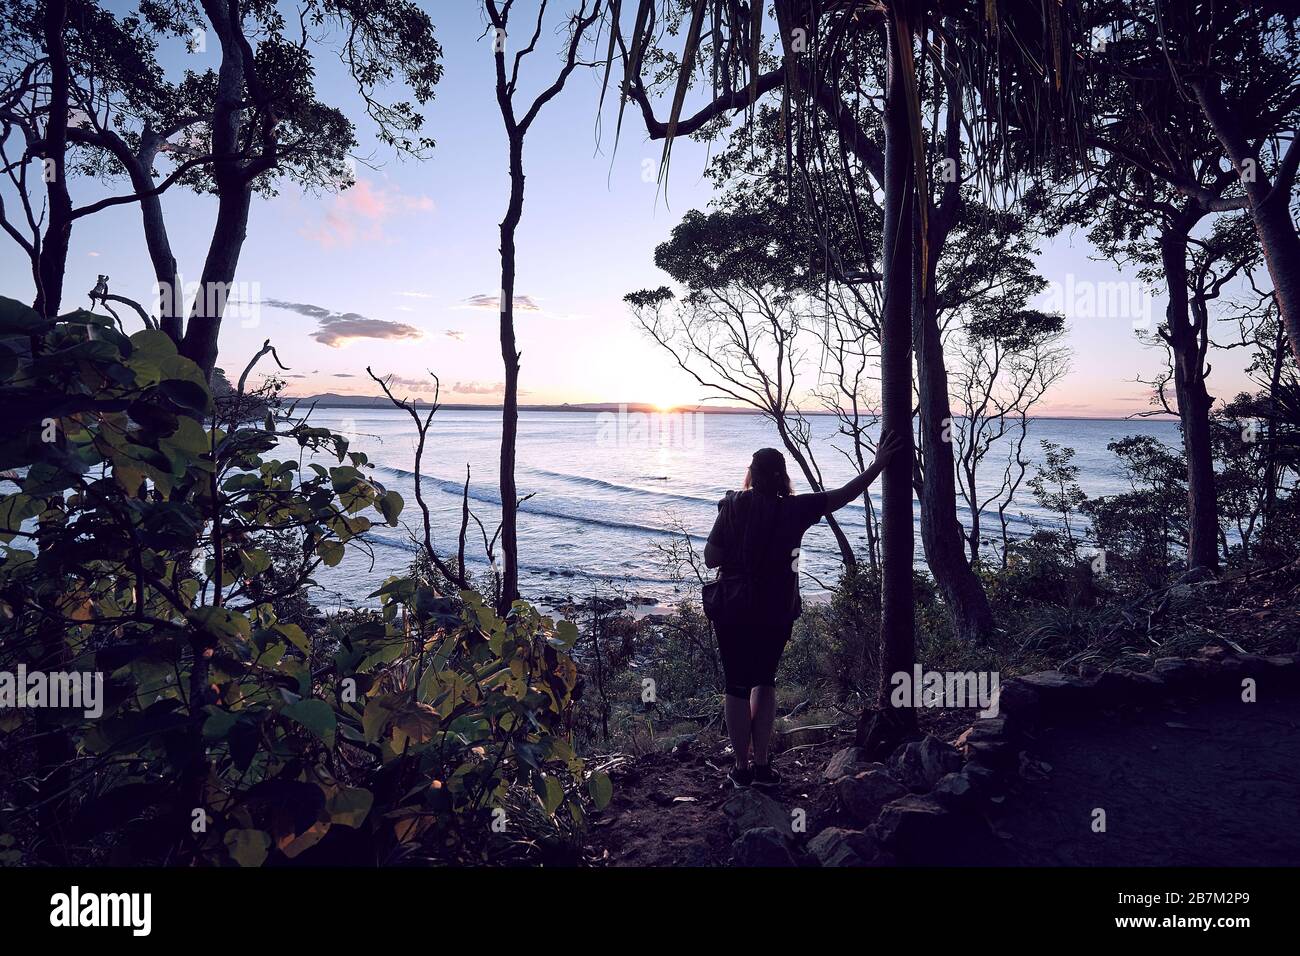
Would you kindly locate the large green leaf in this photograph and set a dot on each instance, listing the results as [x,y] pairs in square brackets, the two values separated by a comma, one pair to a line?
[350,806]
[601,789]
[248,847]
[316,715]
[19,319]
[390,505]
[551,791]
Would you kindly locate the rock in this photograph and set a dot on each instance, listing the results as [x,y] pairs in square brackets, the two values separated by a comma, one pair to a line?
[917,829]
[749,809]
[920,764]
[847,762]
[836,846]
[864,794]
[1060,695]
[955,792]
[1018,699]
[991,729]
[1053,682]
[1122,687]
[1179,673]
[1282,662]
[1224,675]
[982,780]
[761,846]
[991,754]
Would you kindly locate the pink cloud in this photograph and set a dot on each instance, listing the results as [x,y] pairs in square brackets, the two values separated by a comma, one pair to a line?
[358,214]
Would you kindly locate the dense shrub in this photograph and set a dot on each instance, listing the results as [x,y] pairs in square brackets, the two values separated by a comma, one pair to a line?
[165,547]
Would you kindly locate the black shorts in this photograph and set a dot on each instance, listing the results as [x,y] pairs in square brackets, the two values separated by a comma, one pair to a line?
[751,653]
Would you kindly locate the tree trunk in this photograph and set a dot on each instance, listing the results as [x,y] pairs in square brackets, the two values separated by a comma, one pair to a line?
[234,190]
[201,331]
[1270,429]
[881,732]
[54,749]
[139,167]
[1194,403]
[1270,207]
[941,534]
[171,306]
[1277,237]
[53,259]
[510,397]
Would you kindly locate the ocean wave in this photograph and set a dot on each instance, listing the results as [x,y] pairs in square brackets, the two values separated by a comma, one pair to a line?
[614,486]
[478,561]
[851,515]
[457,489]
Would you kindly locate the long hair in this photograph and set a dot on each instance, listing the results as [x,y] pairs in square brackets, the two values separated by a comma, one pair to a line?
[755,513]
[767,474]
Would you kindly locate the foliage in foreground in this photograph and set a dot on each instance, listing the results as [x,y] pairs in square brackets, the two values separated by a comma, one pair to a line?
[137,548]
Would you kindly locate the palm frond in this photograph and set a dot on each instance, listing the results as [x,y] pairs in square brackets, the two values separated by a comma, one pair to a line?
[683,80]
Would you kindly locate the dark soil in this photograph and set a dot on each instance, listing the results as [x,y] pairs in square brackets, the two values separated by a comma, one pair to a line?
[1208,784]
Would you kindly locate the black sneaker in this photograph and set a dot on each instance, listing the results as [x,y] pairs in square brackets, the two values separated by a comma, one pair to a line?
[740,779]
[765,775]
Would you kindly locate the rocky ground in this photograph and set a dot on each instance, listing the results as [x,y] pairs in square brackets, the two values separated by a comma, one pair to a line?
[1185,771]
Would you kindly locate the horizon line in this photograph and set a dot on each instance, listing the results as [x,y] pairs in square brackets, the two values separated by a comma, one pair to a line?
[337,400]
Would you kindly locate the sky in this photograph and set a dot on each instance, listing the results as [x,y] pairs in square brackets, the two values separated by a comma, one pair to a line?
[401,272]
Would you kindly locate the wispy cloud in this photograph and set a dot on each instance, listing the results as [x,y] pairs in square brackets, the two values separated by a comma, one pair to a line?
[403,381]
[358,214]
[480,388]
[524,303]
[302,308]
[456,334]
[336,329]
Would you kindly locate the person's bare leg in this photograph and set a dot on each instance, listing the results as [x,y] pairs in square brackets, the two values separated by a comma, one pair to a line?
[736,710]
[762,711]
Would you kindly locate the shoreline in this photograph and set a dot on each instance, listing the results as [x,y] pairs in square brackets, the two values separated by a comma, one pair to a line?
[637,607]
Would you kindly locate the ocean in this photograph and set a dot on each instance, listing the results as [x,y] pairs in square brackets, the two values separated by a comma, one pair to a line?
[610,491]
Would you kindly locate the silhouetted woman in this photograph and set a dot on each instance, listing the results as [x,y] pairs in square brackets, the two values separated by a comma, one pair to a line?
[755,602]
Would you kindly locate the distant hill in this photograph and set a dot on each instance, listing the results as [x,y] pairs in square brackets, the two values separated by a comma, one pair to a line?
[333,400]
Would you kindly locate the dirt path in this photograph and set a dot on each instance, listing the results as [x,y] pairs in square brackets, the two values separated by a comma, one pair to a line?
[667,807]
[1213,784]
